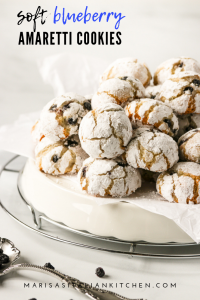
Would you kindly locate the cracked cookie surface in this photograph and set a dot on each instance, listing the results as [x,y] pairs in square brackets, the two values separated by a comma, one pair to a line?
[181,183]
[62,116]
[187,123]
[56,157]
[118,91]
[128,66]
[105,131]
[151,150]
[152,91]
[106,177]
[154,114]
[175,66]
[182,92]
[189,146]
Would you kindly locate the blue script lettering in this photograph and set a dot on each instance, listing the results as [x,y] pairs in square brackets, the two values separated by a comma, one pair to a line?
[87,16]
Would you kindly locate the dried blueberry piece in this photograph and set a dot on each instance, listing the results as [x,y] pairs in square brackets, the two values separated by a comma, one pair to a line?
[1,251]
[180,65]
[53,107]
[66,106]
[87,105]
[55,158]
[124,78]
[4,259]
[49,265]
[121,164]
[71,143]
[171,172]
[100,272]
[188,88]
[169,123]
[84,171]
[175,131]
[71,121]
[196,82]
[153,96]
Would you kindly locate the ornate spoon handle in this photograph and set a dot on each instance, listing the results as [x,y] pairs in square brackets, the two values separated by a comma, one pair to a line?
[80,286]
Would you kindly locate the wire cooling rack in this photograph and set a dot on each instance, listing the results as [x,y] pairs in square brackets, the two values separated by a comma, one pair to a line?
[18,208]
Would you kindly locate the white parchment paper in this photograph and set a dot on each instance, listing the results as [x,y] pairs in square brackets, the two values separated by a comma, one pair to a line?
[67,73]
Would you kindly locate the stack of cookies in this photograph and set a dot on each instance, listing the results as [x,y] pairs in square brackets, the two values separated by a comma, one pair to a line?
[127,132]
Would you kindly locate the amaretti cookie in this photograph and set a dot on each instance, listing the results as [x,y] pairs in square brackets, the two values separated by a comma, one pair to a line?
[152,91]
[62,116]
[106,177]
[128,66]
[118,91]
[189,146]
[56,157]
[175,66]
[152,150]
[152,113]
[182,92]
[187,123]
[181,183]
[105,131]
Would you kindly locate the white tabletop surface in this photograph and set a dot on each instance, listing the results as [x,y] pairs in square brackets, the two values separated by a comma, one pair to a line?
[153,31]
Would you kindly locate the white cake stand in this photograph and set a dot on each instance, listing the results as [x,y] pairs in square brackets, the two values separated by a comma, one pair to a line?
[17,207]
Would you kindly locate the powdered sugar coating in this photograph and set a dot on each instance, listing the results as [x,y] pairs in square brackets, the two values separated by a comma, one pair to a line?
[105,177]
[127,66]
[152,91]
[105,131]
[152,150]
[36,132]
[187,123]
[181,183]
[182,92]
[118,91]
[55,156]
[175,66]
[189,146]
[62,116]
[152,113]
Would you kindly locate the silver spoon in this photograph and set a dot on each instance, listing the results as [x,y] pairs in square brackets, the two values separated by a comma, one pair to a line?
[91,292]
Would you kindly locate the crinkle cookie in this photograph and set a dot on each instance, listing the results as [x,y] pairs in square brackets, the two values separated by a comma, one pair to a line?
[187,123]
[182,92]
[118,91]
[105,131]
[55,156]
[189,146]
[62,116]
[106,177]
[152,150]
[181,183]
[175,66]
[152,91]
[128,66]
[152,113]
